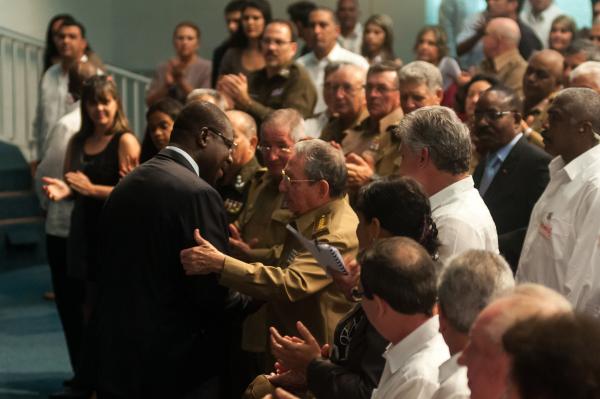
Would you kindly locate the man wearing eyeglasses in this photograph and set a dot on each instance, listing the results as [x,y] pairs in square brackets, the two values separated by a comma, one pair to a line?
[156,325]
[513,173]
[295,287]
[280,84]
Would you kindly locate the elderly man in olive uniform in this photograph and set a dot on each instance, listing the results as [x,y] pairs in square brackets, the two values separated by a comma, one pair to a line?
[345,98]
[235,184]
[280,84]
[296,287]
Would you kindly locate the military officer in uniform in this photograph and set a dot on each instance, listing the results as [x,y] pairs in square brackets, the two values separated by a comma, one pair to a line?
[234,185]
[280,84]
[295,287]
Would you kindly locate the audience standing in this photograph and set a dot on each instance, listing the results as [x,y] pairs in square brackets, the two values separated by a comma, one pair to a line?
[562,33]
[469,282]
[280,84]
[351,30]
[435,151]
[177,77]
[244,54]
[539,14]
[487,363]
[512,173]
[502,58]
[561,245]
[233,19]
[378,40]
[296,287]
[325,30]
[160,119]
[235,183]
[53,98]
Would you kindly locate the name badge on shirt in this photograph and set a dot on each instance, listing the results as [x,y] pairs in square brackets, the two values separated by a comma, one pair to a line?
[545,228]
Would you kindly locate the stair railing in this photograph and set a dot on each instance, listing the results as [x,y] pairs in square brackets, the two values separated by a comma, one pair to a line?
[21,64]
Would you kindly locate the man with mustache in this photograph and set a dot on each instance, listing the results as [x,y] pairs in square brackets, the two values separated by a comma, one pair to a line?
[280,84]
[512,173]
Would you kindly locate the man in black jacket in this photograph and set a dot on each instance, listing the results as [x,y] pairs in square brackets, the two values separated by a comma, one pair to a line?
[512,173]
[160,332]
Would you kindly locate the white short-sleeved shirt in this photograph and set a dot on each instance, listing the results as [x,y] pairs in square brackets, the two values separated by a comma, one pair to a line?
[462,219]
[453,380]
[316,68]
[562,245]
[54,101]
[541,23]
[411,367]
[58,216]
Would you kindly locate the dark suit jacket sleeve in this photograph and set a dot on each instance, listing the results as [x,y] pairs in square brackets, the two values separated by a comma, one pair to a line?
[208,215]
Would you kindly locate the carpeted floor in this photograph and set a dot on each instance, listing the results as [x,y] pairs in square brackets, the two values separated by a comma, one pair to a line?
[33,355]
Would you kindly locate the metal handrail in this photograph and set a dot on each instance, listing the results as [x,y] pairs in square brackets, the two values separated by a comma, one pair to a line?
[21,63]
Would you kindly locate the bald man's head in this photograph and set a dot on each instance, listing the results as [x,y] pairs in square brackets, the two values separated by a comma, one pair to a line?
[543,76]
[501,35]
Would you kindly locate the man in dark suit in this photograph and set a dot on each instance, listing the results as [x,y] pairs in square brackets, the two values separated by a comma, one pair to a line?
[513,173]
[160,332]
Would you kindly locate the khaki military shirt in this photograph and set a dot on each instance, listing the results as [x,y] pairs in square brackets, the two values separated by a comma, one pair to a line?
[296,287]
[509,68]
[290,88]
[387,157]
[336,131]
[264,218]
[235,194]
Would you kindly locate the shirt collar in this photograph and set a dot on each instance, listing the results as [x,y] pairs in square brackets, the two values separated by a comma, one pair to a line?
[577,165]
[186,156]
[503,152]
[398,355]
[503,59]
[452,190]
[449,367]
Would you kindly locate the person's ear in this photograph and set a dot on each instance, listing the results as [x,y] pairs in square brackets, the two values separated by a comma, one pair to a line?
[517,120]
[253,142]
[439,93]
[323,187]
[202,138]
[586,127]
[294,47]
[381,306]
[374,228]
[424,157]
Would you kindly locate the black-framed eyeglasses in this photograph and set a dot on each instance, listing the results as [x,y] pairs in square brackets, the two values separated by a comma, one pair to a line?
[229,143]
[491,115]
[291,181]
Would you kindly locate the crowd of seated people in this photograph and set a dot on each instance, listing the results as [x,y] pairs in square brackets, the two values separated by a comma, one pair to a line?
[308,215]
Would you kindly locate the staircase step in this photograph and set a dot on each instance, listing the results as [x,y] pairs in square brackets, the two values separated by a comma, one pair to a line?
[18,204]
[22,242]
[15,173]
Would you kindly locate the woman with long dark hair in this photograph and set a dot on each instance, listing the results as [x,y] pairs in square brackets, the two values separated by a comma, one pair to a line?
[51,55]
[378,40]
[96,158]
[160,119]
[244,54]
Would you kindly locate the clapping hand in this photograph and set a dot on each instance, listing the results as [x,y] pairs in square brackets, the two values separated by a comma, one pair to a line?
[296,353]
[359,170]
[55,189]
[347,282]
[79,182]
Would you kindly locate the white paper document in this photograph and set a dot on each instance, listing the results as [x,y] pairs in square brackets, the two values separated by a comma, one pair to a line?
[326,255]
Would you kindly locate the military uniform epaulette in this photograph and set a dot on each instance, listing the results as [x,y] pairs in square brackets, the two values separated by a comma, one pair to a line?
[321,225]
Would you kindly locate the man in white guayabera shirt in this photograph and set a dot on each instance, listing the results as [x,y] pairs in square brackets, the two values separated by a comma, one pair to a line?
[435,151]
[562,245]
[398,289]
